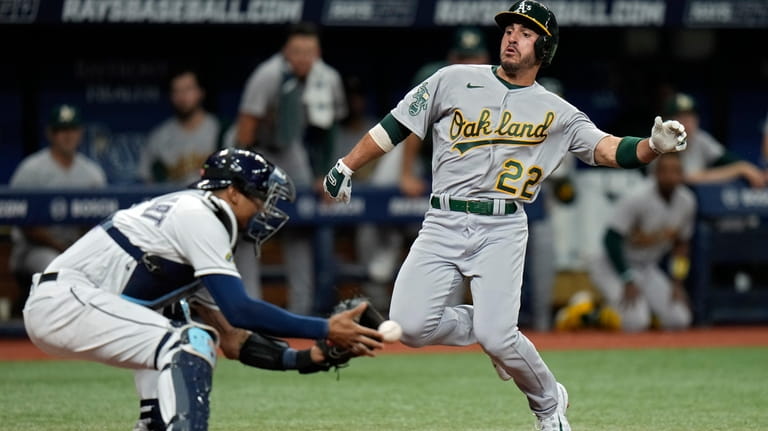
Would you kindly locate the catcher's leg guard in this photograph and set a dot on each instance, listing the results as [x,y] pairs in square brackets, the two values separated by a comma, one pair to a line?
[185,379]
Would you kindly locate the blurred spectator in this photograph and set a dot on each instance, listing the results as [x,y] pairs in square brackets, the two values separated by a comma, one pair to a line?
[357,122]
[706,160]
[652,223]
[59,166]
[289,111]
[177,148]
[469,47]
[367,242]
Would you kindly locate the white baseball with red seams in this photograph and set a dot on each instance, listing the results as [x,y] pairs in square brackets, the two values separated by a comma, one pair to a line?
[390,330]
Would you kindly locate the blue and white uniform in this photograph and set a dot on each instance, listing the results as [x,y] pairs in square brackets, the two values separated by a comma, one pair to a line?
[100,282]
[99,300]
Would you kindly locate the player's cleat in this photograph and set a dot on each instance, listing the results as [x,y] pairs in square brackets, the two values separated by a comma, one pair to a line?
[557,421]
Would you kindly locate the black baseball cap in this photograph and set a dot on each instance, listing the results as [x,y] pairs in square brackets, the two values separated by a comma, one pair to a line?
[64,116]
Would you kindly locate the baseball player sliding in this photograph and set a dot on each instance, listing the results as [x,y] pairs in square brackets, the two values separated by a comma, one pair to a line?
[99,299]
[497,134]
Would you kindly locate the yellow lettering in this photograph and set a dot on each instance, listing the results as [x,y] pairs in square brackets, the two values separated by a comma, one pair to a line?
[506,118]
[484,123]
[457,124]
[531,133]
[541,129]
[527,130]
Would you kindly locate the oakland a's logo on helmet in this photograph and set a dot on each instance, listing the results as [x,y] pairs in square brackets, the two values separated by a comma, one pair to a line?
[523,7]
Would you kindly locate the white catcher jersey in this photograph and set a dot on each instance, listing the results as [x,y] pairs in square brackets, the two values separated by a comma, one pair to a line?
[490,140]
[179,227]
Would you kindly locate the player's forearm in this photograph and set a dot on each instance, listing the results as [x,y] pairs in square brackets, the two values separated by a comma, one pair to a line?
[626,152]
[381,139]
[718,174]
[365,151]
[255,349]
[232,338]
[244,312]
[614,247]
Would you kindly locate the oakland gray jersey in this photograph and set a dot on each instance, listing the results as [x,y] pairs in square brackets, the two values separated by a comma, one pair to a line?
[180,152]
[41,171]
[702,151]
[647,212]
[492,139]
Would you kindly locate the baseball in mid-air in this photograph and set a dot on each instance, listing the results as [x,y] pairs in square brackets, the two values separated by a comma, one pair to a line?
[391,331]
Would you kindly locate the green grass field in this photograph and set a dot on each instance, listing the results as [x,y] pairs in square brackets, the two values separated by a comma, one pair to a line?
[685,389]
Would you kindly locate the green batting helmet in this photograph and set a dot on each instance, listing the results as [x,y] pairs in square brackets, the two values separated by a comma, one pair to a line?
[539,18]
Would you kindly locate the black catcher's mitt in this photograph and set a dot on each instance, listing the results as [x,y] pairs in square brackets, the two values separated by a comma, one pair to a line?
[338,357]
[370,317]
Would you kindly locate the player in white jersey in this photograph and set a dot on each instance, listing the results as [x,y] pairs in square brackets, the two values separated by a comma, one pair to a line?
[497,134]
[99,299]
[645,226]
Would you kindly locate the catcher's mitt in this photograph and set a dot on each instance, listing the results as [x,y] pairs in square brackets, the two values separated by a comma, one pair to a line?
[335,356]
[370,317]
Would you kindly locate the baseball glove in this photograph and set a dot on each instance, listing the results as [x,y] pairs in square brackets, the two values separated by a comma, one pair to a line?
[335,356]
[370,317]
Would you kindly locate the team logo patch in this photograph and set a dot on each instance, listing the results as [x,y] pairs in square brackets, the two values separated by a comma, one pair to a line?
[421,99]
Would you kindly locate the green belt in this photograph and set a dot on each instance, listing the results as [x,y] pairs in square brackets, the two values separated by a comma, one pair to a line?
[474,207]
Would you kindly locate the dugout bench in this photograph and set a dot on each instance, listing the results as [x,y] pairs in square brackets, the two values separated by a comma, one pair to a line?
[729,254]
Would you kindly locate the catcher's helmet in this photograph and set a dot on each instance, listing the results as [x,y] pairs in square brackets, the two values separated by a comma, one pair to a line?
[538,17]
[254,176]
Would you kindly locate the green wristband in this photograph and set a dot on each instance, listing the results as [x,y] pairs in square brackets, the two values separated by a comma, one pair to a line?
[626,153]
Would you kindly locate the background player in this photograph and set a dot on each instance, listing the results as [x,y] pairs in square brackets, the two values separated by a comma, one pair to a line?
[60,165]
[645,226]
[497,134]
[177,147]
[288,112]
[708,161]
[97,300]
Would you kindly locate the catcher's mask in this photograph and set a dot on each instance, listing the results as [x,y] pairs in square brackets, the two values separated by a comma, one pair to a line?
[540,19]
[254,176]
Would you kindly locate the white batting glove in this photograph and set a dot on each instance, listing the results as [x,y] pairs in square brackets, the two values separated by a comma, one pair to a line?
[667,137]
[338,182]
